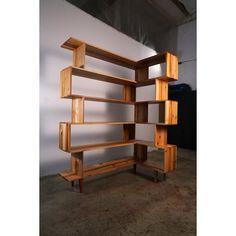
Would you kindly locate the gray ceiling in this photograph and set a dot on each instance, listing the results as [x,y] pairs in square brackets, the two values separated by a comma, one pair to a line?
[150,22]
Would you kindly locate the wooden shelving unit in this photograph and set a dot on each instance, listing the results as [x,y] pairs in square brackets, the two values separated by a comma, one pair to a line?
[168,111]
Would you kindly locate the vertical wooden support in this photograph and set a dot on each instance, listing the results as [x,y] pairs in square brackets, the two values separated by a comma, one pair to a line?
[79,56]
[141,74]
[171,66]
[140,152]
[77,167]
[128,132]
[66,82]
[170,158]
[77,115]
[161,89]
[129,93]
[141,112]
[171,112]
[168,112]
[64,136]
[160,135]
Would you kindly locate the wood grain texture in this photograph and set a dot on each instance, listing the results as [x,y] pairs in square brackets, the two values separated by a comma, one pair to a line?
[79,56]
[171,112]
[171,66]
[140,152]
[77,115]
[128,132]
[64,136]
[99,53]
[160,135]
[129,93]
[161,90]
[170,158]
[141,112]
[65,82]
[77,163]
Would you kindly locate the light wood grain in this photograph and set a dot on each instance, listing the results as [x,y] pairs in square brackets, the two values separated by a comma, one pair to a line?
[77,110]
[171,66]
[79,56]
[160,135]
[161,90]
[64,136]
[65,82]
[99,53]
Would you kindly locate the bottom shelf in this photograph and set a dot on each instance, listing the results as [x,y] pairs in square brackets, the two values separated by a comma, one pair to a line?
[69,176]
[99,169]
[108,166]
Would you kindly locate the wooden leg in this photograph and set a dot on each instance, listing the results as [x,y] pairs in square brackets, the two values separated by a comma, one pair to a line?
[81,185]
[135,167]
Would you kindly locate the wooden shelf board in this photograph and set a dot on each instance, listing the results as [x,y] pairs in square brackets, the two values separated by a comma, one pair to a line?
[101,76]
[69,176]
[108,166]
[99,53]
[152,81]
[153,60]
[109,144]
[105,123]
[97,99]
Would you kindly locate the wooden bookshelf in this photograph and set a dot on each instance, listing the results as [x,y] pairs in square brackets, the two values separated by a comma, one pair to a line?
[168,111]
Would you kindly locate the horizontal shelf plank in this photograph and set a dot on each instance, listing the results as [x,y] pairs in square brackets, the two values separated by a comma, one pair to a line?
[109,144]
[116,123]
[108,166]
[105,123]
[69,176]
[99,53]
[153,60]
[101,76]
[152,81]
[97,99]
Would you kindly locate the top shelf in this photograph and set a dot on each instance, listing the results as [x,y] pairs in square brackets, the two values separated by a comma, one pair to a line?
[99,53]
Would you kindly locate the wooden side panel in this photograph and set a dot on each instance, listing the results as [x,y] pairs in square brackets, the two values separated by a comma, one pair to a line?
[171,112]
[128,132]
[77,163]
[141,112]
[171,66]
[160,135]
[64,136]
[129,93]
[140,152]
[161,90]
[79,56]
[66,82]
[77,110]
[170,158]
[141,74]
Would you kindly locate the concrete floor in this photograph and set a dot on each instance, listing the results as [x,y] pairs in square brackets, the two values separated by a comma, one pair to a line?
[121,203]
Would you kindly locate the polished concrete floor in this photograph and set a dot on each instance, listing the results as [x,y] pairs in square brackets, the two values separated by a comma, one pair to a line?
[121,203]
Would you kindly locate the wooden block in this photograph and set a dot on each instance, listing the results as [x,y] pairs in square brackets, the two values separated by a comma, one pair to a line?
[129,93]
[66,82]
[141,112]
[77,110]
[161,90]
[140,152]
[171,66]
[77,163]
[64,136]
[141,74]
[128,131]
[171,112]
[170,158]
[160,135]
[79,56]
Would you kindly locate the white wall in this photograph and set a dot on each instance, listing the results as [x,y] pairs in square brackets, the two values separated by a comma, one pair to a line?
[186,51]
[58,21]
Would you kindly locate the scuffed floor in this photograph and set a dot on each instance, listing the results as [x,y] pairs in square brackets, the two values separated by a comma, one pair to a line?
[121,203]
